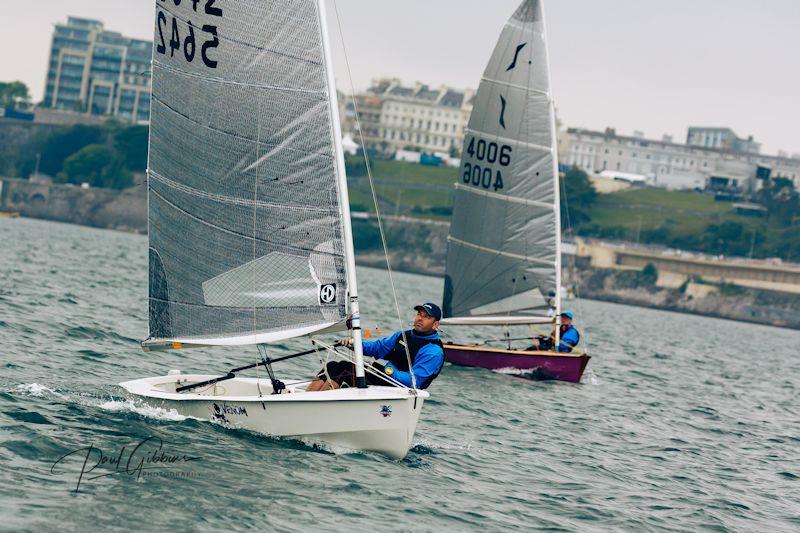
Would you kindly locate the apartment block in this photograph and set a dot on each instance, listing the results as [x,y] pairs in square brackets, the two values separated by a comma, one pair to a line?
[98,72]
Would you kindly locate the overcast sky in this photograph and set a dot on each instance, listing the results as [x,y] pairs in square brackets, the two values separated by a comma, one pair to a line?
[646,65]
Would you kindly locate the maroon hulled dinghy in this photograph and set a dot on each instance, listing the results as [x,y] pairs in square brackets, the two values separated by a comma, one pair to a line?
[529,364]
[503,265]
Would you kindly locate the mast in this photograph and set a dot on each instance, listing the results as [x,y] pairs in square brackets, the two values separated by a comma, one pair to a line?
[554,150]
[344,200]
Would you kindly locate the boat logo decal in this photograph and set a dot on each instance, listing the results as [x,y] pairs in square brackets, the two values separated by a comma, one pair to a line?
[386,411]
[503,112]
[327,293]
[220,412]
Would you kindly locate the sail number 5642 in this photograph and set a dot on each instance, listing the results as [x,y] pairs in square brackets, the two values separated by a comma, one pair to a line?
[185,40]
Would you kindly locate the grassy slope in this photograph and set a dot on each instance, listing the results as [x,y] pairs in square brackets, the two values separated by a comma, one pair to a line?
[415,185]
[635,210]
[681,212]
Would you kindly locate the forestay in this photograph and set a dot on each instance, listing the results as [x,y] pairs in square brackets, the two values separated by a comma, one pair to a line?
[246,232]
[502,255]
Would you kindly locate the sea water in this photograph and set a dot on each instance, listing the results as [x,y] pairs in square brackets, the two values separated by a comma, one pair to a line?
[681,422]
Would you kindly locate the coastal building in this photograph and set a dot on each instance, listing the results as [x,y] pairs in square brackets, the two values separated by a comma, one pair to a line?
[671,165]
[722,138]
[368,105]
[98,72]
[419,118]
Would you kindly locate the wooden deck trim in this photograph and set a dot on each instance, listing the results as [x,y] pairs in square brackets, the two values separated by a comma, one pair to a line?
[515,352]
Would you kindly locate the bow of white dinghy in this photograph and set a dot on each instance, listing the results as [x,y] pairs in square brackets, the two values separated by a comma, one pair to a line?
[377,419]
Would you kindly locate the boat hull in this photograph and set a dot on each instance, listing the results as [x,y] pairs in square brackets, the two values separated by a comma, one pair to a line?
[377,419]
[537,365]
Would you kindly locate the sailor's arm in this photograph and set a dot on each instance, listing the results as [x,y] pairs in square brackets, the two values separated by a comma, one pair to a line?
[378,348]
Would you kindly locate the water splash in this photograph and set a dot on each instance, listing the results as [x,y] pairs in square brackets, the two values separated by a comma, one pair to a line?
[35,389]
[158,413]
[590,378]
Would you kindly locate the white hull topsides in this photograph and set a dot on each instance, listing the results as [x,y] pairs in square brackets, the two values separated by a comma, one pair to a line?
[377,419]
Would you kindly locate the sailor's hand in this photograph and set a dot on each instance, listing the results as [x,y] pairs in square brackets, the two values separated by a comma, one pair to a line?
[347,343]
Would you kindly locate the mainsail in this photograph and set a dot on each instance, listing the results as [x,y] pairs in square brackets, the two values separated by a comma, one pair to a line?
[246,221]
[503,248]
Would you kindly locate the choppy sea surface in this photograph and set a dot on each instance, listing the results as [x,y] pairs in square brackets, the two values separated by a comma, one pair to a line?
[681,422]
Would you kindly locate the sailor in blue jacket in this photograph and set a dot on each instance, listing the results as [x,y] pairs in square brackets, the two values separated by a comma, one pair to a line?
[424,349]
[569,338]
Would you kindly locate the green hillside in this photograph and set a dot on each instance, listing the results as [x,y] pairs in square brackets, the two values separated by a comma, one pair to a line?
[403,188]
[687,220]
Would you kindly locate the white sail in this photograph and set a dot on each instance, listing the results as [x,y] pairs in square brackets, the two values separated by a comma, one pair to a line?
[502,253]
[248,231]
[250,236]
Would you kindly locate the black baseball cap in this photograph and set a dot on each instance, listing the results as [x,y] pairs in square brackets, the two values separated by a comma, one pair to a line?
[432,310]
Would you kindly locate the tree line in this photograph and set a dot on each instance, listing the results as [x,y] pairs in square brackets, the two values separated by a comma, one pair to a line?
[102,156]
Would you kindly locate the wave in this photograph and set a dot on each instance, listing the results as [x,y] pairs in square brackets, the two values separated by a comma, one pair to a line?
[157,413]
[35,389]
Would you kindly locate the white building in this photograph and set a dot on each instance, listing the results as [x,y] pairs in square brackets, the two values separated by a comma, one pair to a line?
[724,138]
[667,164]
[416,118]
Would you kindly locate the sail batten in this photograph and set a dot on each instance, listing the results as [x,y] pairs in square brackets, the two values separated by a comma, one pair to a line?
[247,241]
[501,198]
[492,251]
[505,260]
[513,86]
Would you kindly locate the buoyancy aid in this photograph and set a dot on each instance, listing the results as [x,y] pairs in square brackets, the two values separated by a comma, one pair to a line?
[398,354]
[551,340]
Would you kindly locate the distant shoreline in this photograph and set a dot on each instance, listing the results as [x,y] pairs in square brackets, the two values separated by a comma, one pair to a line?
[737,308]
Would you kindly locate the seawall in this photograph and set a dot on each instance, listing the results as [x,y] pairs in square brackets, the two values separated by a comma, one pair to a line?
[99,208]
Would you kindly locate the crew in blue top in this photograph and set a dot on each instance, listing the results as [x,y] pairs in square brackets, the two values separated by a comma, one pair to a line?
[569,338]
[424,349]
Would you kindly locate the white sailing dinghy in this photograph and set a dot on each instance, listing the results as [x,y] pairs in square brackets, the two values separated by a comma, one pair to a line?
[249,221]
[503,266]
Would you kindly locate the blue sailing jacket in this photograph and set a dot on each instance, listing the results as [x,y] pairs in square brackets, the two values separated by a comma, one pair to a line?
[569,339]
[427,363]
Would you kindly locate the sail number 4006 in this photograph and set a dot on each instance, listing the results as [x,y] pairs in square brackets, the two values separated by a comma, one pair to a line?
[485,177]
[489,153]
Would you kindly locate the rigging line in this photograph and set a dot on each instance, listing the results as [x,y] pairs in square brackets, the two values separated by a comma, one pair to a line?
[375,199]
[368,368]
[571,231]
[255,219]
